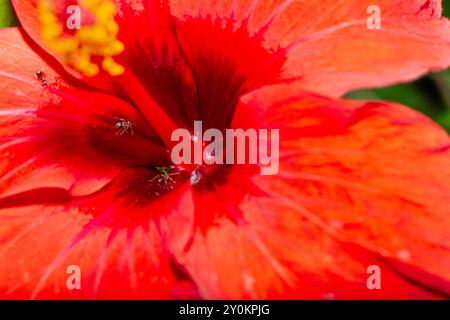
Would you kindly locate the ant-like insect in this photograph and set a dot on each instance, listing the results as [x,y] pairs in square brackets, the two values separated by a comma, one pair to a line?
[41,77]
[124,126]
[165,175]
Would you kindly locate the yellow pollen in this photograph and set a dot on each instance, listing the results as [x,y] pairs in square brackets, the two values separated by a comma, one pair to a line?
[97,40]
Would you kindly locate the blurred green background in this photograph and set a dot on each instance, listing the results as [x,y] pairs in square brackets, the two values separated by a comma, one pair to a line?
[430,94]
[7,17]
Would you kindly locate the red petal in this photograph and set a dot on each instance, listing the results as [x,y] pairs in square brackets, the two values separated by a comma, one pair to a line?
[328,43]
[360,184]
[121,238]
[56,135]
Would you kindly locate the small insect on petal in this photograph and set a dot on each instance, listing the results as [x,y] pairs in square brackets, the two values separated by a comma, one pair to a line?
[165,176]
[123,126]
[41,77]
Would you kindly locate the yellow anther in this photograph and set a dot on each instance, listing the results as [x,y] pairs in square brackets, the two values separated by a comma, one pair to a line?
[97,40]
[112,67]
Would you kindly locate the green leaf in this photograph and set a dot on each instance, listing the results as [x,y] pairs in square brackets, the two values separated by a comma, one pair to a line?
[7,16]
[446,6]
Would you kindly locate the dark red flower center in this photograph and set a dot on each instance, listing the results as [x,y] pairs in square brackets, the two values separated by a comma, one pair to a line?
[200,76]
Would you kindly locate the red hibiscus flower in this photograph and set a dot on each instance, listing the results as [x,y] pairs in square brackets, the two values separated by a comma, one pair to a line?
[86,179]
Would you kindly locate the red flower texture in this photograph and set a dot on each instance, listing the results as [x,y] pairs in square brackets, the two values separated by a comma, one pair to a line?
[86,178]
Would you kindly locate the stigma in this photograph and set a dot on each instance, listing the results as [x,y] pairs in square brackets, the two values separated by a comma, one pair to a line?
[195,177]
[80,46]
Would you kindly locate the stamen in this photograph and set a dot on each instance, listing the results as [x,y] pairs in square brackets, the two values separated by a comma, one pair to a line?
[95,40]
